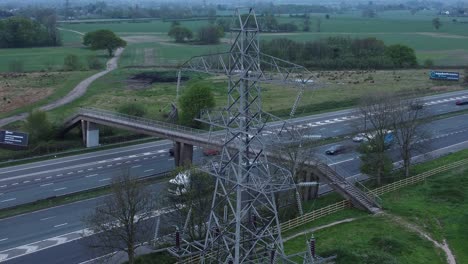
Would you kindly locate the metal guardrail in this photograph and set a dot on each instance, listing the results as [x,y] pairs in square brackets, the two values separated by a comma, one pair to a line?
[99,113]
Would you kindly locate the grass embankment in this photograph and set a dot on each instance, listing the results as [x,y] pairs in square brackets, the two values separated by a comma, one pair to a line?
[437,206]
[342,89]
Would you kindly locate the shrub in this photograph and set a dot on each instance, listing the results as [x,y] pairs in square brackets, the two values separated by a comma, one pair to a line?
[71,63]
[16,66]
[133,109]
[94,63]
[428,63]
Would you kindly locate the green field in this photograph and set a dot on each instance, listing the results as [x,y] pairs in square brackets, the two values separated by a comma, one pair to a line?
[44,59]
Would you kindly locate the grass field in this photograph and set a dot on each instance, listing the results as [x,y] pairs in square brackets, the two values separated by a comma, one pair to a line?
[44,59]
[438,206]
[446,46]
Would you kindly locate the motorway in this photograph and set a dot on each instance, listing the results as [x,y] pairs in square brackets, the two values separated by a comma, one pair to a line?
[55,227]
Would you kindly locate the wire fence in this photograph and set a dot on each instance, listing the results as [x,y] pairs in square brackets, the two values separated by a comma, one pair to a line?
[341,205]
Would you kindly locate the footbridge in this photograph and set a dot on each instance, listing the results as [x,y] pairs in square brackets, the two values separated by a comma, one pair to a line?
[185,138]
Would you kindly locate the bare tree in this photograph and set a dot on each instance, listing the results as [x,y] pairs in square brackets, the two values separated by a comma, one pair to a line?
[122,222]
[377,114]
[407,126]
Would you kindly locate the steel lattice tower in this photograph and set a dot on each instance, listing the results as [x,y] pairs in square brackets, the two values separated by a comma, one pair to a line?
[243,225]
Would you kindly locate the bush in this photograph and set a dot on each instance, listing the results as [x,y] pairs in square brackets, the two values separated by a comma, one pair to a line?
[71,63]
[94,63]
[133,109]
[16,66]
[428,63]
[38,126]
[210,34]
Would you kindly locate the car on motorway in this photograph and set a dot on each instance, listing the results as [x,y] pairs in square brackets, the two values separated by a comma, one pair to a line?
[361,137]
[210,152]
[461,102]
[335,149]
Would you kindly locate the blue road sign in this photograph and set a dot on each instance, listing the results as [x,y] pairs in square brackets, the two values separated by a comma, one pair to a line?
[13,138]
[444,76]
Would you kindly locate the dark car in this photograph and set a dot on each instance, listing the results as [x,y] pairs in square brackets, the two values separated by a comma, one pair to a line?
[461,102]
[171,152]
[335,149]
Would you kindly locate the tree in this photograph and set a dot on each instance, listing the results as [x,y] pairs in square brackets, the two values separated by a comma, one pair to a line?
[401,55]
[194,99]
[428,63]
[436,23]
[121,222]
[306,27]
[210,34]
[376,110]
[406,125]
[180,34]
[103,39]
[191,201]
[327,16]
[38,126]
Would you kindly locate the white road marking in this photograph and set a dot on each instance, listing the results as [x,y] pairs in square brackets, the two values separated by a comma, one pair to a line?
[38,179]
[149,170]
[26,181]
[100,167]
[3,239]
[58,175]
[13,184]
[171,159]
[162,151]
[136,166]
[48,177]
[7,200]
[47,218]
[3,186]
[80,171]
[132,156]
[117,158]
[91,175]
[90,169]
[341,161]
[71,172]
[119,163]
[60,189]
[60,225]
[106,179]
[47,184]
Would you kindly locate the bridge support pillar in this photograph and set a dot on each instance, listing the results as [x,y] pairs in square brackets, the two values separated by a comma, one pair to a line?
[183,154]
[90,133]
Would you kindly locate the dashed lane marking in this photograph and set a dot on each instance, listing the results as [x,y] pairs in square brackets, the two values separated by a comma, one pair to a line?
[106,179]
[47,184]
[60,189]
[149,170]
[91,175]
[60,225]
[8,200]
[136,166]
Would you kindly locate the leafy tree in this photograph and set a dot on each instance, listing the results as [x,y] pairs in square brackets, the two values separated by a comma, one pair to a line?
[103,39]
[20,32]
[194,99]
[210,34]
[133,109]
[436,23]
[401,56]
[38,126]
[225,24]
[180,34]
[71,63]
[306,27]
[327,16]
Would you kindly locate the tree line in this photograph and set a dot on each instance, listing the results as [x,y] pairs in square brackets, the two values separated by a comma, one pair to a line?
[22,32]
[342,53]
